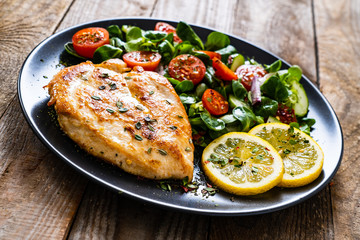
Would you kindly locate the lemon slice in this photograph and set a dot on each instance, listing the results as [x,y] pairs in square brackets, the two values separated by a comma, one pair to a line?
[302,156]
[242,164]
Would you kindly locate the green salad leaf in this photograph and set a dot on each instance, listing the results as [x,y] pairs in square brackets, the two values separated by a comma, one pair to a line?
[186,33]
[106,52]
[216,41]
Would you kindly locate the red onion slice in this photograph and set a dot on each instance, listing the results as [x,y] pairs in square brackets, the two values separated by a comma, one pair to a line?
[255,90]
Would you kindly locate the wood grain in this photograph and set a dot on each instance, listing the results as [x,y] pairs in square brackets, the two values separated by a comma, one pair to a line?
[212,13]
[108,215]
[42,198]
[94,10]
[39,194]
[282,27]
[308,220]
[338,36]
[23,24]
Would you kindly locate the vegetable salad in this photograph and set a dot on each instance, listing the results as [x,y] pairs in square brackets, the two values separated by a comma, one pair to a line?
[221,90]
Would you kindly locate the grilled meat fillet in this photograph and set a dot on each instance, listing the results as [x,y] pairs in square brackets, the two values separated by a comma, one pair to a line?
[134,120]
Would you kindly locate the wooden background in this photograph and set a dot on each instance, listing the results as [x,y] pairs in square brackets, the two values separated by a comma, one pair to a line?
[43,198]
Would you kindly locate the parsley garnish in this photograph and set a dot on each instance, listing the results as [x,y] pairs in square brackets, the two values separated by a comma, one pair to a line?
[162,152]
[138,137]
[95,97]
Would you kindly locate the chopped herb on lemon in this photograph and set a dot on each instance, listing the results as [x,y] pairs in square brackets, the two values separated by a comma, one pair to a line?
[302,156]
[242,164]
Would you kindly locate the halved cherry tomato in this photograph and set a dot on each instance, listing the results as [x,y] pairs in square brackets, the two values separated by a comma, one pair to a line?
[148,60]
[165,27]
[286,114]
[187,67]
[214,102]
[222,71]
[247,72]
[211,54]
[87,40]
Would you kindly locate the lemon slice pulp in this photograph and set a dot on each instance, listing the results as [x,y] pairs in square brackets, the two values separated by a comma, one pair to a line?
[302,156]
[242,164]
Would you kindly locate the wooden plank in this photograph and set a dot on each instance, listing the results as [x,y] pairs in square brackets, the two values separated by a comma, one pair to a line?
[308,220]
[338,36]
[282,27]
[39,193]
[108,215]
[23,24]
[212,13]
[84,11]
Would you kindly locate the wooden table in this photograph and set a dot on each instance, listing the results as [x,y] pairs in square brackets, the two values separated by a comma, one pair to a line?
[41,197]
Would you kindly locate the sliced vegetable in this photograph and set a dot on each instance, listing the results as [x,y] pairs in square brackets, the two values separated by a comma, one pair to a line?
[301,105]
[247,72]
[148,60]
[222,71]
[167,28]
[272,120]
[211,54]
[235,102]
[187,67]
[214,102]
[255,91]
[209,78]
[87,40]
[236,61]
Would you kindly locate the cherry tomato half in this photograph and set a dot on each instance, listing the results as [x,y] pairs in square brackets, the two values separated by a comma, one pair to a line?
[222,71]
[165,27]
[214,102]
[286,114]
[148,60]
[211,54]
[187,67]
[247,72]
[87,40]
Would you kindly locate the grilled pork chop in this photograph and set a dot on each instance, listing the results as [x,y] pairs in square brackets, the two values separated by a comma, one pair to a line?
[134,120]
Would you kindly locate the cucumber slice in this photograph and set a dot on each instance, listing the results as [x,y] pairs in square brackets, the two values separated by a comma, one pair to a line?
[235,102]
[302,103]
[273,120]
[228,118]
[237,62]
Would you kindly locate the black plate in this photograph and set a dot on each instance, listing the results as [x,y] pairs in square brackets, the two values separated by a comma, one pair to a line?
[42,64]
